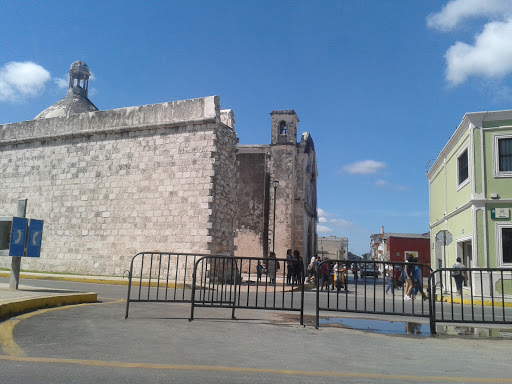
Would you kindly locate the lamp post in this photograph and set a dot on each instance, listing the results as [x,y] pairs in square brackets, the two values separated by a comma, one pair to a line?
[275,183]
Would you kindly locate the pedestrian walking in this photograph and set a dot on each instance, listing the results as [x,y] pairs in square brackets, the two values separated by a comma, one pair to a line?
[324,268]
[418,281]
[390,279]
[311,269]
[459,276]
[409,283]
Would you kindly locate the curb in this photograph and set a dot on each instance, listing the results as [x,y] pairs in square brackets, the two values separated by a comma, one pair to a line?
[98,280]
[19,306]
[487,303]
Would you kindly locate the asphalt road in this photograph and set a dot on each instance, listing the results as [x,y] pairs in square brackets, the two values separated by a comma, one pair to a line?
[93,343]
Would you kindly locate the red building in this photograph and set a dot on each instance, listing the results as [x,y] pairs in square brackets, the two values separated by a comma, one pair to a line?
[397,246]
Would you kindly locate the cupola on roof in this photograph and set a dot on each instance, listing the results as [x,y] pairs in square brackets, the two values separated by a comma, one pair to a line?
[76,100]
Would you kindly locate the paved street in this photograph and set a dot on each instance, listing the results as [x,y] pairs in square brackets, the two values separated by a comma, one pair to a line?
[94,343]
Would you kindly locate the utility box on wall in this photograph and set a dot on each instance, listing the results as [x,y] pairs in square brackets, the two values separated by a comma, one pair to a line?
[20,236]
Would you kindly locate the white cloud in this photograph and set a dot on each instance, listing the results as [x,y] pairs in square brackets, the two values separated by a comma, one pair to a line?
[490,55]
[340,222]
[328,221]
[323,229]
[20,80]
[385,184]
[61,82]
[457,11]
[365,167]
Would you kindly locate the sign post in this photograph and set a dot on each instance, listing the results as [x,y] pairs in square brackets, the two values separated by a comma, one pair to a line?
[445,238]
[14,279]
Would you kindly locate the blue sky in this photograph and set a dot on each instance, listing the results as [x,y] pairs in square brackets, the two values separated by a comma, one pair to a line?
[380,85]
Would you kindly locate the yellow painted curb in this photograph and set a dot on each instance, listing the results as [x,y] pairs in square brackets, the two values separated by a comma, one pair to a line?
[488,303]
[24,305]
[98,280]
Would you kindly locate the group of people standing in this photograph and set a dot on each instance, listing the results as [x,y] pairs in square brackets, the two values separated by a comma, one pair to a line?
[294,267]
[326,271]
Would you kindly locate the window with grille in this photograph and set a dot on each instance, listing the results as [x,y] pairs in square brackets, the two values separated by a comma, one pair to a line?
[505,155]
[506,245]
[462,166]
[502,156]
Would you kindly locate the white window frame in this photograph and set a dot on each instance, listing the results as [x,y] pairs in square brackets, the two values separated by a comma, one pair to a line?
[499,245]
[466,181]
[497,172]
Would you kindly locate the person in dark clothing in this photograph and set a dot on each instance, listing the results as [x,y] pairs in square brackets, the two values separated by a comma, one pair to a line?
[289,266]
[298,267]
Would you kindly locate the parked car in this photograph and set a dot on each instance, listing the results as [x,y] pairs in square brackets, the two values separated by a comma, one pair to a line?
[369,270]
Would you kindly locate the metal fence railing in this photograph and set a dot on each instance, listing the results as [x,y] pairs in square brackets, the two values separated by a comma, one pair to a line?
[250,283]
[160,277]
[471,295]
[216,281]
[447,295]
[372,287]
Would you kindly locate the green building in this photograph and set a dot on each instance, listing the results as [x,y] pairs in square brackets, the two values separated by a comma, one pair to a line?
[470,198]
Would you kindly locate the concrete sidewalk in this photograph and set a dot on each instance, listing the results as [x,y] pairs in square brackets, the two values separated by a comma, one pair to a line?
[25,298]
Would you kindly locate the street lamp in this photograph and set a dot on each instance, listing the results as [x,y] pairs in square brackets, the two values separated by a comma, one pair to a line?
[275,183]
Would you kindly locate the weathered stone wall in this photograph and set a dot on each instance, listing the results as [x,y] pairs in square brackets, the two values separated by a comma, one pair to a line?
[252,217]
[112,183]
[222,201]
[284,169]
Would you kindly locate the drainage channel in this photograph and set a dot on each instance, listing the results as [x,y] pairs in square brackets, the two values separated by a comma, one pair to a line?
[416,329]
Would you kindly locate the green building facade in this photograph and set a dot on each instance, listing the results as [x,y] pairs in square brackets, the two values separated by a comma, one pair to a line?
[470,198]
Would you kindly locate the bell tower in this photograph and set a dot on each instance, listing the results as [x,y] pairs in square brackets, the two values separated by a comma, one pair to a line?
[284,127]
[79,79]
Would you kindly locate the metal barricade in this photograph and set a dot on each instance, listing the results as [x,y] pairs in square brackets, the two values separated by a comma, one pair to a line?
[161,277]
[370,290]
[471,295]
[248,283]
[483,296]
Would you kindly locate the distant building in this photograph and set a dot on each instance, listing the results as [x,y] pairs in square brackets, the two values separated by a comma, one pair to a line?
[279,176]
[387,246]
[333,248]
[470,193]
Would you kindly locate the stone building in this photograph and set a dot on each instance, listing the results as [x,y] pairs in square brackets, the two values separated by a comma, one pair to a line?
[278,177]
[109,184]
[160,177]
[333,247]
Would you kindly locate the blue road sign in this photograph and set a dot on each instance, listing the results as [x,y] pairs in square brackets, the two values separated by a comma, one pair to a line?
[18,236]
[35,234]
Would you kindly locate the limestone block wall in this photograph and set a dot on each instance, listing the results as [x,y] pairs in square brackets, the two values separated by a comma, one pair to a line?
[222,199]
[110,184]
[283,169]
[251,238]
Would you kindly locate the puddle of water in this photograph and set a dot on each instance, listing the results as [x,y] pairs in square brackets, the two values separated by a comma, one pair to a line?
[478,332]
[380,326]
[417,329]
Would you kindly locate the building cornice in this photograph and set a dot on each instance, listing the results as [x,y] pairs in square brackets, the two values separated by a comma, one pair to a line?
[476,203]
[475,119]
[181,113]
